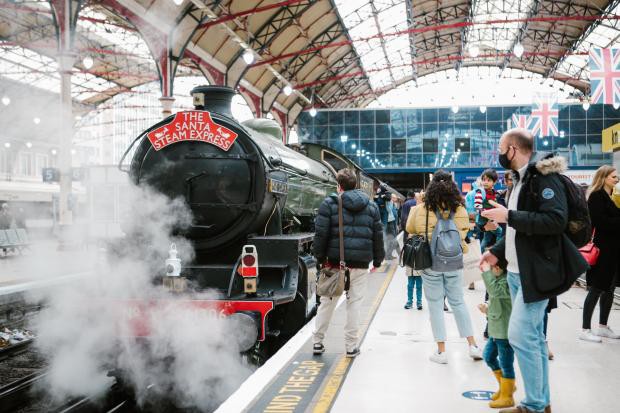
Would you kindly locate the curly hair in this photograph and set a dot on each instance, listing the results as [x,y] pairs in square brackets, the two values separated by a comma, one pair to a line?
[442,193]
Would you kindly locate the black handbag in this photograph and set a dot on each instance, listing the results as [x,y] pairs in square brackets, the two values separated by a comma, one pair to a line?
[416,252]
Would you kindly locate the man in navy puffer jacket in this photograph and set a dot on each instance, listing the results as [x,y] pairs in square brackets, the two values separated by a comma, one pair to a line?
[363,244]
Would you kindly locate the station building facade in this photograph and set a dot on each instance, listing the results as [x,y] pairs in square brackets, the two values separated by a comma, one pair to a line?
[425,139]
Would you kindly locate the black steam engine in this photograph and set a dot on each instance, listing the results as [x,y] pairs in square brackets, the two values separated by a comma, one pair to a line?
[253,201]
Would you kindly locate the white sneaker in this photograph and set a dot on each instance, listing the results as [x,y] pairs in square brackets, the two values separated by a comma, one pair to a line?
[586,335]
[475,352]
[607,332]
[439,358]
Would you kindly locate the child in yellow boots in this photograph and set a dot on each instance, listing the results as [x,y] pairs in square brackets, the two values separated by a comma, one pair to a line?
[498,354]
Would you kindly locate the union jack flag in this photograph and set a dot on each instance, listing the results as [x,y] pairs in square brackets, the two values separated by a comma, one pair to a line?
[605,75]
[545,116]
[520,121]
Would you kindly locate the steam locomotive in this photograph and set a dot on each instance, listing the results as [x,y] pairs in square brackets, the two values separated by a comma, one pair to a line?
[253,200]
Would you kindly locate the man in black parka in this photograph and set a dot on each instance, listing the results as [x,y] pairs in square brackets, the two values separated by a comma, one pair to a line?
[363,245]
[542,261]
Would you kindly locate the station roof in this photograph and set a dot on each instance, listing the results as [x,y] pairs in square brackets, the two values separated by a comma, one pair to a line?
[333,53]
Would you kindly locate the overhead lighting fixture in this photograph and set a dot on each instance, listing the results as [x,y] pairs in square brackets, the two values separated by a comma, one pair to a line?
[312,112]
[6,101]
[36,121]
[616,105]
[73,151]
[474,51]
[562,134]
[178,2]
[546,142]
[78,117]
[287,90]
[586,105]
[88,62]
[353,146]
[483,109]
[344,138]
[7,145]
[455,108]
[518,50]
[54,151]
[248,57]
[28,145]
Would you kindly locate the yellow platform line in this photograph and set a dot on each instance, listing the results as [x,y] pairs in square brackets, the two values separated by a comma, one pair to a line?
[333,382]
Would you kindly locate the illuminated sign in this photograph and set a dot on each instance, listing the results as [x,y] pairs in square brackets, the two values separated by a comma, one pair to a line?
[192,126]
[611,138]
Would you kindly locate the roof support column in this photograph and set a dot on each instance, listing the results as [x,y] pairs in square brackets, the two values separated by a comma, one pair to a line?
[255,102]
[283,121]
[166,78]
[65,14]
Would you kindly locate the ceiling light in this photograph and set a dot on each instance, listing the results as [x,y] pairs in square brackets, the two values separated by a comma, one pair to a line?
[248,57]
[312,112]
[344,138]
[78,117]
[73,151]
[7,145]
[353,146]
[616,105]
[178,2]
[483,109]
[6,100]
[88,62]
[586,105]
[36,121]
[54,151]
[455,108]
[474,51]
[546,142]
[288,90]
[562,134]
[518,50]
[28,145]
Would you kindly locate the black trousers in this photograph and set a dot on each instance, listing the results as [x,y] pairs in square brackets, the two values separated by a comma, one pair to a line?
[606,301]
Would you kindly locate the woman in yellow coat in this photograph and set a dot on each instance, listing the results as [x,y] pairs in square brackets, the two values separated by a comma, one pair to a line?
[443,195]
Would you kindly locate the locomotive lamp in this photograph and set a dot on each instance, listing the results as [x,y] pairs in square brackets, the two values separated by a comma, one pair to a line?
[249,269]
[173,280]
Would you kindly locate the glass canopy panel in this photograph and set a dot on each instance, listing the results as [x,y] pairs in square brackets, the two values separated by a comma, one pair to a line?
[386,59]
[27,66]
[604,35]
[498,36]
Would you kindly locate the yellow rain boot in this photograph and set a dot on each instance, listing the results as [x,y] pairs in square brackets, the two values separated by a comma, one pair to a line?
[506,390]
[498,376]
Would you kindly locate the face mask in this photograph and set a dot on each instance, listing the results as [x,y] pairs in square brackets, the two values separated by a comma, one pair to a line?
[504,161]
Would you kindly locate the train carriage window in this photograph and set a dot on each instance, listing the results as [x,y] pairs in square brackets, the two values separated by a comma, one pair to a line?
[333,160]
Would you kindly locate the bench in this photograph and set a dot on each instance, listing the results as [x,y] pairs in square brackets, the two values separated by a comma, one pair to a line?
[16,239]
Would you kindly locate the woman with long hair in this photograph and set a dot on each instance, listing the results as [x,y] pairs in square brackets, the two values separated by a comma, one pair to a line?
[443,197]
[602,277]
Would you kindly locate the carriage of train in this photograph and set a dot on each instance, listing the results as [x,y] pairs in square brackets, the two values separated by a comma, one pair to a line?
[253,201]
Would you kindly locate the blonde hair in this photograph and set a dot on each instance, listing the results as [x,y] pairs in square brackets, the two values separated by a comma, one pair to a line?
[599,178]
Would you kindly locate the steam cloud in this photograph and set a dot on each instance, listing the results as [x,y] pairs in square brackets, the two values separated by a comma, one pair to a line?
[84,330]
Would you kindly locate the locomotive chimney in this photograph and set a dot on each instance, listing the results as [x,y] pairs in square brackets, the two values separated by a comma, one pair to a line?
[216,99]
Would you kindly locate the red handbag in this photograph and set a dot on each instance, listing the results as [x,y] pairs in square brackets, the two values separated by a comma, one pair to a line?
[590,251]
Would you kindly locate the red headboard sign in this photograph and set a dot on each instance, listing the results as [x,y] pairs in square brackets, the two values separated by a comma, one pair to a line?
[192,125]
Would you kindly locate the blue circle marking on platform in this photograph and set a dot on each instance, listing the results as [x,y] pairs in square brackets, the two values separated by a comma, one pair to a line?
[478,394]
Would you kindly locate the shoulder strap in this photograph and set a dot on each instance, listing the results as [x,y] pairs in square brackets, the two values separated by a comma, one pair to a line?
[426,227]
[341,232]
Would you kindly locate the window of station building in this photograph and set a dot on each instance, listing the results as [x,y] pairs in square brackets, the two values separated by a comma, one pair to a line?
[462,144]
[429,115]
[321,118]
[382,116]
[335,117]
[382,131]
[399,146]
[26,166]
[430,145]
[382,146]
[352,117]
[367,117]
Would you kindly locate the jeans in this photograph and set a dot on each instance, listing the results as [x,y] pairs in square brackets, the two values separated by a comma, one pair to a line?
[417,282]
[500,347]
[327,306]
[438,285]
[525,333]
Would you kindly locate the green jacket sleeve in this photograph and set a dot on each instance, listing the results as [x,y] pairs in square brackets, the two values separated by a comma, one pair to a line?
[496,286]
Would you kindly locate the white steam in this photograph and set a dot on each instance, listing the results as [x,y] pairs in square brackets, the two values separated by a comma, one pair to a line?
[86,328]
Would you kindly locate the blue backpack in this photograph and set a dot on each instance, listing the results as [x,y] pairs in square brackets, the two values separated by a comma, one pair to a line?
[446,248]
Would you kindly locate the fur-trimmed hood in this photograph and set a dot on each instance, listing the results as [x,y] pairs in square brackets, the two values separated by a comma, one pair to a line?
[552,164]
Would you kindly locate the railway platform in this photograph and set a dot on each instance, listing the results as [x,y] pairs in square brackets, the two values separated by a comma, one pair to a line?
[393,373]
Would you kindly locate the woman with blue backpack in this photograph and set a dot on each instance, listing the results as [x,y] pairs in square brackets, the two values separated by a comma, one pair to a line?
[443,221]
